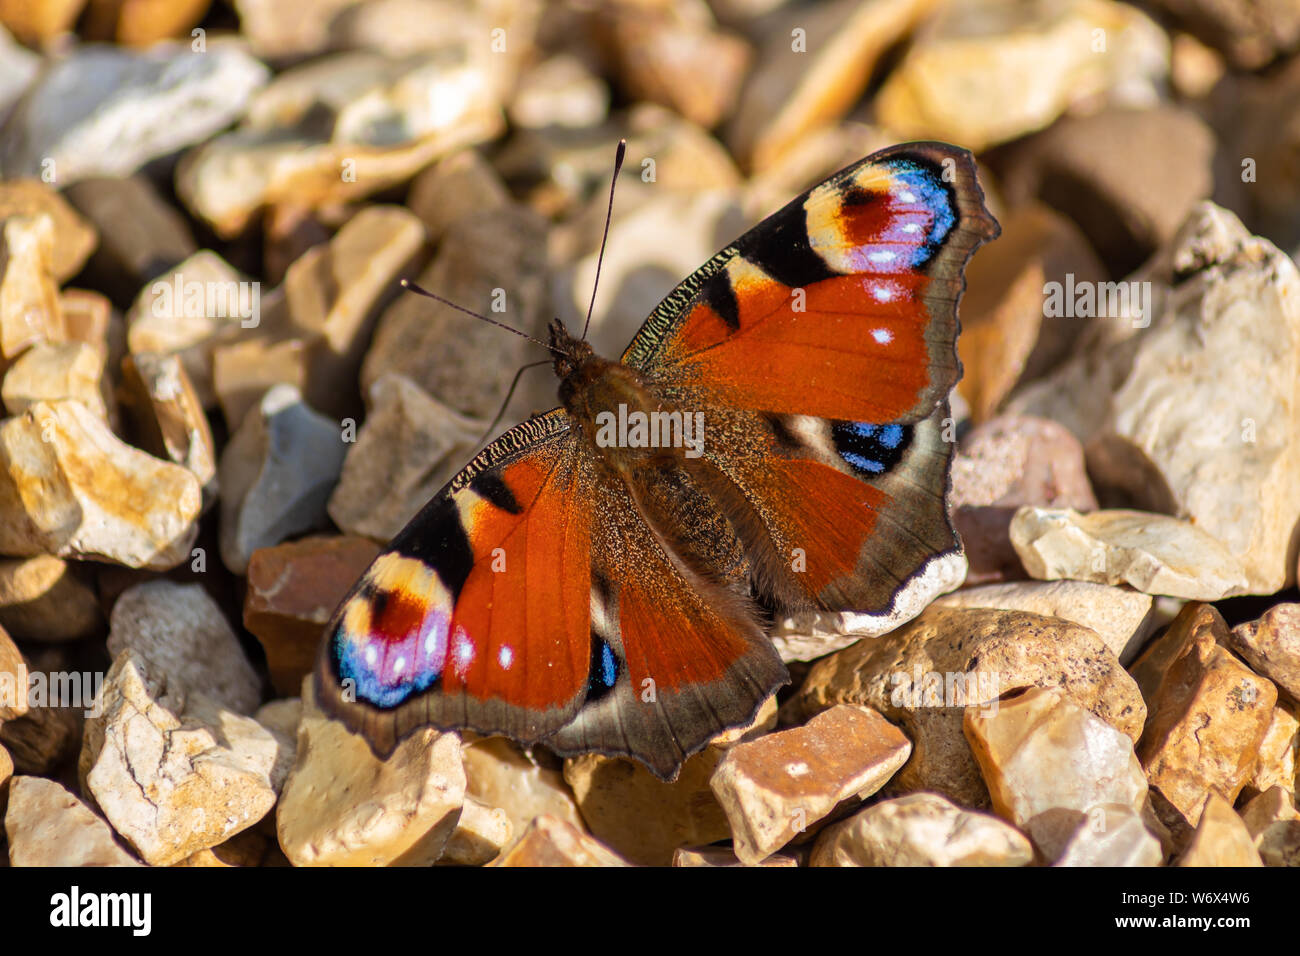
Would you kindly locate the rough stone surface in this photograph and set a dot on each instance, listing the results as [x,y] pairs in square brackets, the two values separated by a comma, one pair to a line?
[180,629]
[925,675]
[550,841]
[168,416]
[173,771]
[47,826]
[1221,838]
[921,829]
[771,789]
[84,493]
[1271,646]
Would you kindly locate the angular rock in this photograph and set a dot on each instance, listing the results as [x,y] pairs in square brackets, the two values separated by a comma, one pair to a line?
[71,488]
[1193,409]
[45,600]
[181,631]
[1274,825]
[1271,646]
[409,447]
[278,32]
[1194,620]
[168,416]
[921,829]
[773,788]
[464,184]
[811,78]
[1007,337]
[1122,618]
[336,291]
[342,806]
[340,128]
[141,23]
[1208,720]
[550,841]
[74,237]
[1221,838]
[47,826]
[29,295]
[1001,465]
[189,310]
[1127,177]
[244,371]
[984,73]
[1153,553]
[141,235]
[492,263]
[13,679]
[48,373]
[481,833]
[276,474]
[926,674]
[243,849]
[1279,754]
[42,740]
[88,317]
[499,774]
[293,589]
[1111,834]
[129,107]
[281,718]
[173,771]
[1049,762]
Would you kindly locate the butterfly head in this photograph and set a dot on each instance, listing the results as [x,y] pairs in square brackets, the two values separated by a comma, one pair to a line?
[570,353]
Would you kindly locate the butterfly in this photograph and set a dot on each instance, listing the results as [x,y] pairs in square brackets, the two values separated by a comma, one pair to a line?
[597,579]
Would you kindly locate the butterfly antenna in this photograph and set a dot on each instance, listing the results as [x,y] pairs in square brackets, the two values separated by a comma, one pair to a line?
[509,395]
[410,286]
[609,214]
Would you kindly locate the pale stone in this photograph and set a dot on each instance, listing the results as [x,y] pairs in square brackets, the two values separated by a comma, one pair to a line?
[189,310]
[1048,762]
[71,488]
[13,679]
[74,237]
[168,416]
[276,474]
[981,73]
[1274,824]
[1123,618]
[105,110]
[559,91]
[343,806]
[336,291]
[1154,553]
[173,771]
[499,774]
[340,128]
[48,372]
[550,841]
[921,829]
[47,826]
[481,833]
[29,295]
[1271,646]
[463,184]
[244,371]
[180,629]
[45,600]
[805,80]
[1221,838]
[774,787]
[409,447]
[1279,753]
[721,856]
[639,816]
[925,675]
[1208,720]
[1111,834]
[1193,408]
[243,849]
[281,718]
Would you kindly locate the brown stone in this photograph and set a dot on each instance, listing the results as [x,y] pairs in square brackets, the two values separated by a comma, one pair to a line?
[38,23]
[1271,646]
[168,416]
[773,788]
[1221,838]
[1279,754]
[481,833]
[43,739]
[1195,619]
[1274,824]
[924,675]
[1208,720]
[550,841]
[88,317]
[293,589]
[464,184]
[74,237]
[46,600]
[246,848]
[141,23]
[721,856]
[244,371]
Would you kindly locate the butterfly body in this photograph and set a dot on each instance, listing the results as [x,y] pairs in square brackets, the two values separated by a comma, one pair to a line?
[598,577]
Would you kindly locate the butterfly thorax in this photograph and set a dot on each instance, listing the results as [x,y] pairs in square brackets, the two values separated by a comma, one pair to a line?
[603,397]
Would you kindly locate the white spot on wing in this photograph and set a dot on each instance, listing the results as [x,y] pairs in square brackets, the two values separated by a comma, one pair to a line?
[883,336]
[505,656]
